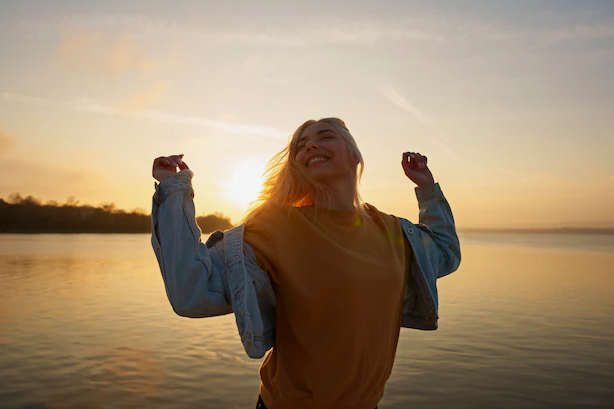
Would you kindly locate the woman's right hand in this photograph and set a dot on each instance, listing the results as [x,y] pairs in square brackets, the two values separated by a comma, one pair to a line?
[167,166]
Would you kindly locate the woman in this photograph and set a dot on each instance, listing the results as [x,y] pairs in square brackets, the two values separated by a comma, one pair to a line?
[315,275]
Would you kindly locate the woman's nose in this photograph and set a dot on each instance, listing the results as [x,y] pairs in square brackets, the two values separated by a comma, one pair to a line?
[311,145]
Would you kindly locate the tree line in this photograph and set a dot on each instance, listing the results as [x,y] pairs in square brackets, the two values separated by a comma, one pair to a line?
[29,215]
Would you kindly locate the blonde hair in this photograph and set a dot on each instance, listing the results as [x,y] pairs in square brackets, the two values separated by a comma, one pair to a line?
[287,182]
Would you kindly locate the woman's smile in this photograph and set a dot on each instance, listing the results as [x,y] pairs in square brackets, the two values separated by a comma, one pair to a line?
[316,160]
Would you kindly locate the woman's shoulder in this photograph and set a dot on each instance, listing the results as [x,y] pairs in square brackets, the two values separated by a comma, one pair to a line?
[374,211]
[388,219]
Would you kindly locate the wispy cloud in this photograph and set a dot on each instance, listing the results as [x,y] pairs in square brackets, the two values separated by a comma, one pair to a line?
[251,131]
[266,70]
[576,32]
[6,142]
[517,177]
[438,137]
[366,33]
[100,30]
[99,53]
[146,98]
[394,97]
[26,174]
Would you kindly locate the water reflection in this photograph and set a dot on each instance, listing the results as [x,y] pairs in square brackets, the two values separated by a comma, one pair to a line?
[84,323]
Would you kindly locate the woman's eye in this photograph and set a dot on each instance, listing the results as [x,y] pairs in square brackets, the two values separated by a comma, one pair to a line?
[300,148]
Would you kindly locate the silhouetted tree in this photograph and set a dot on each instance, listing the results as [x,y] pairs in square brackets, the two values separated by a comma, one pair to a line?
[29,215]
[213,222]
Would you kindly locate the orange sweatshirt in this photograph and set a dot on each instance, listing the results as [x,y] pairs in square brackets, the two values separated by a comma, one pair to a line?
[339,280]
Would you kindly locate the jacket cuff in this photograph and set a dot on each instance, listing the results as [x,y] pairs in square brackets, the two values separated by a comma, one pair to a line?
[172,184]
[428,192]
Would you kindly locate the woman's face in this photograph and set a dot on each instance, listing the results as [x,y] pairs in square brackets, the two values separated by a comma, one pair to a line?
[324,152]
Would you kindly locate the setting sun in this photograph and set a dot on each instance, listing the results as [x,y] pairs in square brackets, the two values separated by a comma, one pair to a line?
[245,184]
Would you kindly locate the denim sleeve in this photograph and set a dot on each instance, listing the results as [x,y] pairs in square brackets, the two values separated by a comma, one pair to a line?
[194,276]
[436,219]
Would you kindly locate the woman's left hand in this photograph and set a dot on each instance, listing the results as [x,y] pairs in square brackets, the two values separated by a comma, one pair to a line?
[416,170]
[165,166]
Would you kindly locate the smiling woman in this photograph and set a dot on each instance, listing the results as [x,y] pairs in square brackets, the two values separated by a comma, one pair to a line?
[310,263]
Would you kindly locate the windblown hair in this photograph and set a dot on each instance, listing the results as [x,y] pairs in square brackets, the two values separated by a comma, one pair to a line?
[287,182]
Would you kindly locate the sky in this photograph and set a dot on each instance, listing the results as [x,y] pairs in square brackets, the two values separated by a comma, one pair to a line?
[512,102]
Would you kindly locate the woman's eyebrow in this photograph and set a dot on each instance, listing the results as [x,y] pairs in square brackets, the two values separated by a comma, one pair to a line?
[320,132]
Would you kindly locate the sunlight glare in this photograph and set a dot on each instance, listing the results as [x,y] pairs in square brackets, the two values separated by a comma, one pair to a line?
[246,183]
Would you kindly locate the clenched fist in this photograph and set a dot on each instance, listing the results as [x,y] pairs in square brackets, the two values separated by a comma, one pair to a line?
[167,165]
[416,170]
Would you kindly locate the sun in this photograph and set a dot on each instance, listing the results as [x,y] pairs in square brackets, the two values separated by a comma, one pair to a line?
[246,183]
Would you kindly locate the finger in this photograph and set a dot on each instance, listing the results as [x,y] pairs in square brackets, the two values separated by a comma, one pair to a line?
[161,162]
[422,161]
[407,164]
[408,161]
[407,156]
[167,161]
[419,160]
[183,165]
[174,160]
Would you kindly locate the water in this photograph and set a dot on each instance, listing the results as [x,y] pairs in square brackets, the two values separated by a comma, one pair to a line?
[527,321]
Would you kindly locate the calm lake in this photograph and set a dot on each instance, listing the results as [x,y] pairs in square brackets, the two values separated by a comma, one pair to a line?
[526,322]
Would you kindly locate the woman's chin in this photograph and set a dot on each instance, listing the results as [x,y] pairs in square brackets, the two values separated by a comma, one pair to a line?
[324,177]
[317,173]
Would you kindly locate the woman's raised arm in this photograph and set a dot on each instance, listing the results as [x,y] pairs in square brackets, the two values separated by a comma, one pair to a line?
[435,216]
[194,276]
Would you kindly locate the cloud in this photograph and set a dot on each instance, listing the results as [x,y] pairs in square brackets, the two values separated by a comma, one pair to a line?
[99,53]
[265,70]
[516,177]
[6,142]
[314,30]
[31,177]
[366,33]
[146,98]
[575,32]
[402,103]
[438,137]
[258,132]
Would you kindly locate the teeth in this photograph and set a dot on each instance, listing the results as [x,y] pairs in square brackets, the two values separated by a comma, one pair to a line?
[317,159]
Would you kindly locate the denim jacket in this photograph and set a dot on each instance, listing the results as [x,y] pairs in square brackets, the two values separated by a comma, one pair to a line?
[222,275]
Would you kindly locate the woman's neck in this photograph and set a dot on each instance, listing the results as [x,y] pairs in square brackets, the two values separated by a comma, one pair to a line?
[342,197]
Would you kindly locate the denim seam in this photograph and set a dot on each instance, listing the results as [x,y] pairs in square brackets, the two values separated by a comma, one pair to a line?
[172,192]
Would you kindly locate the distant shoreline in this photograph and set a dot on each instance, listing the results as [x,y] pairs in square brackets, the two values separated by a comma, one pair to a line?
[554,230]
[558,230]
[28,215]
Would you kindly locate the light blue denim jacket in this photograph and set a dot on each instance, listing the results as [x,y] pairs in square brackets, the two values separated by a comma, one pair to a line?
[222,276]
